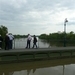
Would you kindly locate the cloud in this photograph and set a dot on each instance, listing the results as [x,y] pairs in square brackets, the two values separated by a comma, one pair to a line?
[36,16]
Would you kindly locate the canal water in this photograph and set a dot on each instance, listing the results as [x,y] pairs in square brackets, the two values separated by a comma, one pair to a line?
[43,67]
[21,43]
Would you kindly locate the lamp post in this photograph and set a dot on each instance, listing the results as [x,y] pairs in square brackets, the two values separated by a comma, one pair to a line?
[65,32]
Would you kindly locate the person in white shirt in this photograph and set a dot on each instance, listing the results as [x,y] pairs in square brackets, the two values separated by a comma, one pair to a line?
[11,37]
[29,38]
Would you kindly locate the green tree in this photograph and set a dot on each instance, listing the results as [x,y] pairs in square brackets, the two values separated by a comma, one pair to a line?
[3,30]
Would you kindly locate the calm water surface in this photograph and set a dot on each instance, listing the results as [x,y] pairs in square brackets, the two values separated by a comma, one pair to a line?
[47,67]
[21,43]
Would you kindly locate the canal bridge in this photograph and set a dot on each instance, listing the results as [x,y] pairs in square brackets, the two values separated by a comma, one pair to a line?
[25,55]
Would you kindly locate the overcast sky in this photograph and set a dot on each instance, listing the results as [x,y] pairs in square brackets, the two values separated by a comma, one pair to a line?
[37,16]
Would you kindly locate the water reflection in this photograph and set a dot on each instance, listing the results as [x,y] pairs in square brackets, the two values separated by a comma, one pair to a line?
[47,67]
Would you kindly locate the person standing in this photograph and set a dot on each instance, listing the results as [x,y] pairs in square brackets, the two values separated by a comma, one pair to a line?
[1,40]
[7,42]
[34,41]
[29,38]
[11,38]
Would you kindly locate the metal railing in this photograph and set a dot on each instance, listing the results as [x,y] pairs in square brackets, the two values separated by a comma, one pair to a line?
[21,43]
[40,54]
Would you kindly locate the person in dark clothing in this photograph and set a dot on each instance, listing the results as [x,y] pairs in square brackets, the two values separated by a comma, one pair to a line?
[34,41]
[1,40]
[7,42]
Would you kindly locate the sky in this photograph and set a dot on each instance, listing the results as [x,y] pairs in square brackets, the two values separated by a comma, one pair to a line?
[37,16]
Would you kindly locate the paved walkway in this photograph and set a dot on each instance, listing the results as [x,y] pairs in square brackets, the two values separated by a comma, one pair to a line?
[38,49]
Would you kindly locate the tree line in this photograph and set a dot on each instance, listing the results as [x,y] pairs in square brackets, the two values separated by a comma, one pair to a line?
[59,38]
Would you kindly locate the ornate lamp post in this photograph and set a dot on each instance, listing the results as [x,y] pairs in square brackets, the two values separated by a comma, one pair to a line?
[65,32]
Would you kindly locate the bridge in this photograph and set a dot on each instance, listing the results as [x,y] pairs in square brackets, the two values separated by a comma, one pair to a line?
[24,55]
